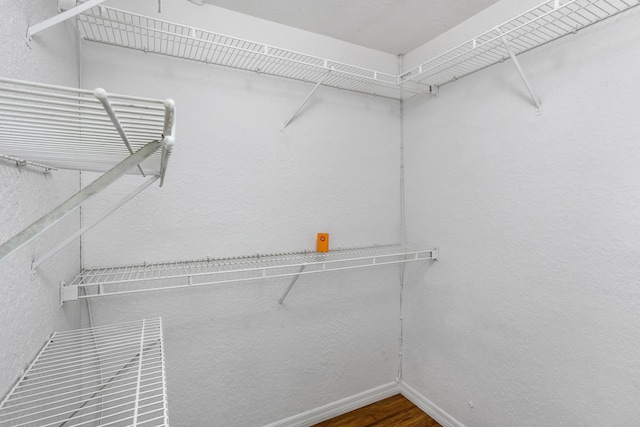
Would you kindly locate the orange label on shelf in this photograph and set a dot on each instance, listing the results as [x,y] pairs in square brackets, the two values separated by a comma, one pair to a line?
[323,242]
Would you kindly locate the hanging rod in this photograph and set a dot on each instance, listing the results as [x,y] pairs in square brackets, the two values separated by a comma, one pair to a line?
[127,279]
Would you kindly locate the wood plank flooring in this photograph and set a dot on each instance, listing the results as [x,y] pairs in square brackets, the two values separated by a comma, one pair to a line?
[395,411]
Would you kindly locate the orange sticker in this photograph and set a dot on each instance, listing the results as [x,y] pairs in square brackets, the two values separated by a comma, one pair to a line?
[323,242]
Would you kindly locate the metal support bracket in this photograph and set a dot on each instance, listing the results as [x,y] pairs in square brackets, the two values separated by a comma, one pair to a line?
[88,227]
[293,282]
[304,101]
[68,293]
[22,162]
[67,14]
[103,97]
[532,94]
[75,201]
[435,254]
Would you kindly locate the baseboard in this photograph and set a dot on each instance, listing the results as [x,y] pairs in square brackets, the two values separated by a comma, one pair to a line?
[433,410]
[339,407]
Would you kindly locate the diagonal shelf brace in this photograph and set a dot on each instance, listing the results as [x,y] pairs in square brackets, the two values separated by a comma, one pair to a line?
[103,97]
[67,14]
[98,220]
[532,94]
[304,101]
[75,201]
[293,282]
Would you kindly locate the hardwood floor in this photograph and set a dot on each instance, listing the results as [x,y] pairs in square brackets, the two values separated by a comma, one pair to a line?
[396,411]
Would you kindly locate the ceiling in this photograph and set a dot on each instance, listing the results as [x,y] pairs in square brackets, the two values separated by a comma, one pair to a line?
[393,26]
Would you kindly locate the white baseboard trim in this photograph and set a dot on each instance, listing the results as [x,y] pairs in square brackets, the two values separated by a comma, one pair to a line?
[433,410]
[339,407]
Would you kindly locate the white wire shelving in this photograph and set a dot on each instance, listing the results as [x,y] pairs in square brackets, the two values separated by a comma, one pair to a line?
[78,129]
[127,279]
[52,127]
[540,25]
[130,30]
[108,376]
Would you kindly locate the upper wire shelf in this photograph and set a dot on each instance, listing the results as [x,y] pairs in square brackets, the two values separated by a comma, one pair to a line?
[126,279]
[125,29]
[68,128]
[548,21]
[542,24]
[109,375]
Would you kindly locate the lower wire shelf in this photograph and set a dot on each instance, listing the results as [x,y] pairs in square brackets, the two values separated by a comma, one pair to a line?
[111,375]
[126,279]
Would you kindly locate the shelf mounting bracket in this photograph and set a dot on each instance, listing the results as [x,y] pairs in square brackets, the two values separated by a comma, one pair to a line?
[532,94]
[68,293]
[67,14]
[304,101]
[102,96]
[75,201]
[293,282]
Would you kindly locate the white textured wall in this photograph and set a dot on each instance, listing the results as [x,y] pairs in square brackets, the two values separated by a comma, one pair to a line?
[30,309]
[235,186]
[533,311]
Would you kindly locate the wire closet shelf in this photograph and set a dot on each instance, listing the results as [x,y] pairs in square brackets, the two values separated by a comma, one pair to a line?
[107,376]
[91,130]
[549,21]
[130,30]
[540,25]
[126,279]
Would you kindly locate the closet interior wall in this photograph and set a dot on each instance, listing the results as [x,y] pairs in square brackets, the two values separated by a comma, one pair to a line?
[30,308]
[238,186]
[531,315]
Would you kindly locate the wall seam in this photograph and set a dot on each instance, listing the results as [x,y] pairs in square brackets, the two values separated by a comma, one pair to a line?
[403,229]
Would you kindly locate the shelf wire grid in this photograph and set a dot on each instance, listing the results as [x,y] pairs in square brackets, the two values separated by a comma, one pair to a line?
[125,279]
[540,25]
[547,22]
[68,128]
[126,29]
[102,376]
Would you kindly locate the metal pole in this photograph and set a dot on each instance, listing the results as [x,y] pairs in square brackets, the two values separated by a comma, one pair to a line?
[56,215]
[306,99]
[88,227]
[522,75]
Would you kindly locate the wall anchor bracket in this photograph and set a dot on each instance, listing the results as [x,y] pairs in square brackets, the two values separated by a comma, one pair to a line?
[68,293]
[532,94]
[67,14]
